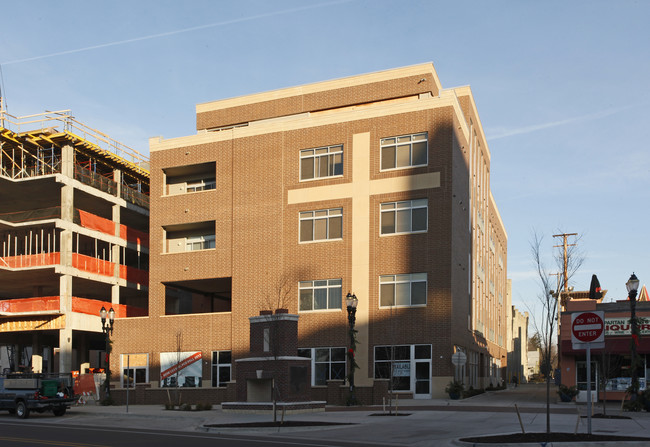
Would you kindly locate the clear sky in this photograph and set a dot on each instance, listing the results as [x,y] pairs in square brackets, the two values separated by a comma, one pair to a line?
[561,88]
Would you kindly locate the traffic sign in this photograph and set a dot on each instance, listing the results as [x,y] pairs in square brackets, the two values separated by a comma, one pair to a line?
[588,327]
[458,358]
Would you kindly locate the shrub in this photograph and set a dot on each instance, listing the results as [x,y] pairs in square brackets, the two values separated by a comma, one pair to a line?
[455,389]
[472,392]
[203,406]
[567,393]
[186,407]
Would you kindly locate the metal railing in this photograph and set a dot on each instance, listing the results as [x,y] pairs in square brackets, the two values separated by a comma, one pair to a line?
[62,121]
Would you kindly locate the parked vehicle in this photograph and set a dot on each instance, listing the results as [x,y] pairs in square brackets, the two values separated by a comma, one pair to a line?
[21,393]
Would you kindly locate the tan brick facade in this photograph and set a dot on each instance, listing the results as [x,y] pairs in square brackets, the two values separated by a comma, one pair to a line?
[255,209]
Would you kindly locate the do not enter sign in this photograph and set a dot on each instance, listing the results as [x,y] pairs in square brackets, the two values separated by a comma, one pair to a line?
[587,327]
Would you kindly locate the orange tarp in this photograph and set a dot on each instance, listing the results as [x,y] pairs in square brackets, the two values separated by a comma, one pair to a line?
[107,226]
[134,236]
[94,222]
[92,265]
[79,305]
[40,304]
[41,259]
[134,275]
[92,307]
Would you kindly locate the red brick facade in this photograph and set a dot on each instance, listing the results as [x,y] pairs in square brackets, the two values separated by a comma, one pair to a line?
[255,209]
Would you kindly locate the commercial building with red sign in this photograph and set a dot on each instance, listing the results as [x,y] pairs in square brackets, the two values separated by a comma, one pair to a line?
[611,365]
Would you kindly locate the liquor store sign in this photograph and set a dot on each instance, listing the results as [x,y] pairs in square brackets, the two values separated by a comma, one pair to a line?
[621,326]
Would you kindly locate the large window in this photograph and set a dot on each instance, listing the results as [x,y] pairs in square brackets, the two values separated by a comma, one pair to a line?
[408,366]
[320,294]
[321,162]
[404,151]
[409,216]
[321,225]
[326,364]
[221,368]
[403,290]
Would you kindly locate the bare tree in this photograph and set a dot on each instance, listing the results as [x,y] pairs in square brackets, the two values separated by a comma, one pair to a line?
[568,262]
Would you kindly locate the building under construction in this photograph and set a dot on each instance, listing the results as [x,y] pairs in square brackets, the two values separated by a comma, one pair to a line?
[74,224]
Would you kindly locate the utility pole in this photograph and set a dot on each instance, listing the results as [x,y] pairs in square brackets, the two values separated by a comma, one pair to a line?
[565,271]
[565,276]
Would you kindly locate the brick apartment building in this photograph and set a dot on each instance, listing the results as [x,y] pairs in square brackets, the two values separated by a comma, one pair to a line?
[377,184]
[74,216]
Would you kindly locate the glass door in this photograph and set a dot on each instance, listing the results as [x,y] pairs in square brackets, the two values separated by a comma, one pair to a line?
[581,381]
[422,380]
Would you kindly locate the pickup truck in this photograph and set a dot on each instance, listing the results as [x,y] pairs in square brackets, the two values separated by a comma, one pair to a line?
[22,393]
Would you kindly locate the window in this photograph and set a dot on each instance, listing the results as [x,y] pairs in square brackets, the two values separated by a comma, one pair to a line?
[221,368]
[193,243]
[403,290]
[409,216]
[201,185]
[189,237]
[327,364]
[189,178]
[404,151]
[321,225]
[321,162]
[320,294]
[404,359]
[135,369]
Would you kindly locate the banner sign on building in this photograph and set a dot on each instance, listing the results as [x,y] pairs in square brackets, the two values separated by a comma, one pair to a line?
[180,369]
[621,326]
[401,369]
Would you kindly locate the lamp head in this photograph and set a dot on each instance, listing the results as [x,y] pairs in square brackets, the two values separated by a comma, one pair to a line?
[102,314]
[351,300]
[632,284]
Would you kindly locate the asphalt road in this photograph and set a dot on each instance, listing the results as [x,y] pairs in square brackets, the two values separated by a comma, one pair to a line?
[30,433]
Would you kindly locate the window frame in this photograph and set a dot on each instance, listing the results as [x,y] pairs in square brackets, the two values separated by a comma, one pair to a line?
[331,154]
[398,279]
[331,284]
[412,206]
[218,365]
[384,143]
[201,185]
[202,239]
[414,356]
[331,214]
[329,362]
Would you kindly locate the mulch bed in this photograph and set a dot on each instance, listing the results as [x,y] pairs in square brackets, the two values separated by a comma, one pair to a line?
[277,424]
[551,437]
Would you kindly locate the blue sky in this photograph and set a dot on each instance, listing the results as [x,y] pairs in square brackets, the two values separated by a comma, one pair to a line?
[561,89]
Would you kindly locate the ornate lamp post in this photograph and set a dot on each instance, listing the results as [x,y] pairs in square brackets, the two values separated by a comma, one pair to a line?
[351,301]
[107,329]
[632,287]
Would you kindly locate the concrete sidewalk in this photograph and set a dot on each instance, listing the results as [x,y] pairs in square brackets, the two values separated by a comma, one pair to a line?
[432,422]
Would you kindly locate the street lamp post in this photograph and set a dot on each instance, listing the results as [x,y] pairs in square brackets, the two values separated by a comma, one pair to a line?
[107,329]
[351,302]
[632,287]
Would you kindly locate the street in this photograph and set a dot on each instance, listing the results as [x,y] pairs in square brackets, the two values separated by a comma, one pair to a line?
[424,423]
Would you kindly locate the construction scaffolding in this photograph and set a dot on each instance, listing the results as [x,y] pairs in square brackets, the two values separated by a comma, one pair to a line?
[31,145]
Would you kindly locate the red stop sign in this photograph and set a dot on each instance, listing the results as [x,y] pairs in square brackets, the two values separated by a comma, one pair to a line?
[587,327]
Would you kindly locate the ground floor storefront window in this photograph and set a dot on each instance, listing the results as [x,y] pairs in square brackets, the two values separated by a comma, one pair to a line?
[135,369]
[180,369]
[326,364]
[408,367]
